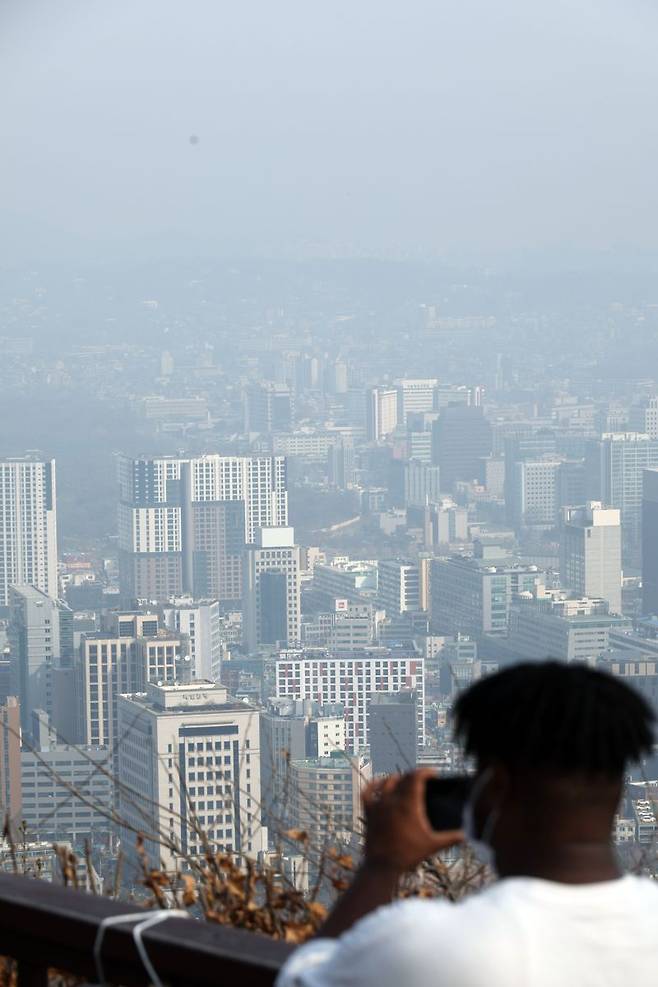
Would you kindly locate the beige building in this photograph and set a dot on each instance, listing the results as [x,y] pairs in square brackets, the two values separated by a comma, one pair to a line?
[189,763]
[109,666]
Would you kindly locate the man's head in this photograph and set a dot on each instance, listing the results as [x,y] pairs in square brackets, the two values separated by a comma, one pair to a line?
[551,742]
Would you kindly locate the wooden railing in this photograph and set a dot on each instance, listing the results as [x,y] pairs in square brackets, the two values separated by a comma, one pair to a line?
[43,926]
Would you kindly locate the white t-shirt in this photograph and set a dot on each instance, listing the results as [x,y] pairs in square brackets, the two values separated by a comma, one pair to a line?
[520,932]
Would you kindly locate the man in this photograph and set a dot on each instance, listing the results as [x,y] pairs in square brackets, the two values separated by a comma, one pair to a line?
[551,742]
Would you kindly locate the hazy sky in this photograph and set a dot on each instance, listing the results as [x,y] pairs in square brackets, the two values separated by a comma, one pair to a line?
[346,126]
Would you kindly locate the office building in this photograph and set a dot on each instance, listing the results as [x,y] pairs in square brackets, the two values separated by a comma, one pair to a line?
[325,799]
[28,526]
[419,445]
[40,636]
[341,471]
[212,550]
[199,624]
[590,552]
[178,535]
[350,680]
[461,437]
[123,662]
[393,732]
[415,395]
[471,595]
[67,792]
[10,763]
[381,412]
[189,763]
[345,580]
[271,597]
[650,543]
[557,627]
[398,586]
[421,484]
[535,493]
[640,671]
[268,408]
[293,730]
[623,458]
[643,417]
[526,444]
[492,476]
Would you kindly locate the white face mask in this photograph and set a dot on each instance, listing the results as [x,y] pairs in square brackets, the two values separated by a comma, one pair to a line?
[481,845]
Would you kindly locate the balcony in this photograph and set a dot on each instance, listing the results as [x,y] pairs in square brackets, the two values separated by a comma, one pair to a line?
[44,927]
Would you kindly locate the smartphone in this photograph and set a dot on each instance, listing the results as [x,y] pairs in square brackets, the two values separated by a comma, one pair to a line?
[444,800]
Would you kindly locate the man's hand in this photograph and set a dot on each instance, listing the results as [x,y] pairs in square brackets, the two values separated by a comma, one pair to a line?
[398,833]
[398,838]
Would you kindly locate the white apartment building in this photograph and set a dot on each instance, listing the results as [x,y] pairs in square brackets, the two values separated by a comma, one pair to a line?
[271,597]
[350,680]
[590,552]
[28,526]
[164,527]
[189,762]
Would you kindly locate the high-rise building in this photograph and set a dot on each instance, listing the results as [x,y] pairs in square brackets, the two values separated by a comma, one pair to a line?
[28,526]
[345,580]
[177,534]
[10,762]
[471,595]
[399,586]
[559,628]
[415,395]
[291,730]
[271,597]
[624,457]
[136,652]
[199,623]
[40,635]
[350,680]
[67,792]
[341,471]
[189,768]
[421,484]
[650,543]
[393,732]
[590,550]
[212,550]
[492,476]
[381,412]
[325,799]
[461,436]
[535,493]
[268,408]
[644,417]
[527,443]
